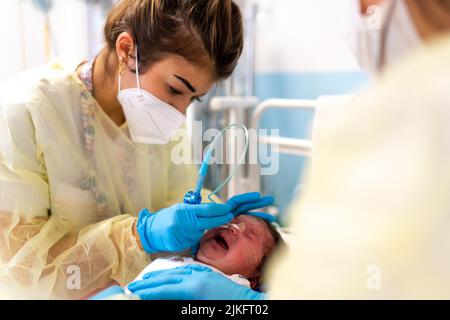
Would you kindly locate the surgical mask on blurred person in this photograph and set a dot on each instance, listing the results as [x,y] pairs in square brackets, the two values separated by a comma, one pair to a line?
[150,120]
[384,35]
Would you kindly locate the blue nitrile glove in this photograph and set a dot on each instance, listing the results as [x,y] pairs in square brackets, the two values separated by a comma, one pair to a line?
[107,293]
[195,248]
[248,201]
[180,226]
[191,282]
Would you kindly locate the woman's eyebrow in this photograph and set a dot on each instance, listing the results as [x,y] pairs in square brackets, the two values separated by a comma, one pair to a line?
[186,83]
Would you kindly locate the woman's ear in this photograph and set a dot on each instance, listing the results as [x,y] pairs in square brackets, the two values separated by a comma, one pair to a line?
[124,46]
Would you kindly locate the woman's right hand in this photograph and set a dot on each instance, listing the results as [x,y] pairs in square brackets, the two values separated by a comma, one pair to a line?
[180,226]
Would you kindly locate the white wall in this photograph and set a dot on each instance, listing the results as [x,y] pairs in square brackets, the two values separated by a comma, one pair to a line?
[294,36]
[24,40]
[304,36]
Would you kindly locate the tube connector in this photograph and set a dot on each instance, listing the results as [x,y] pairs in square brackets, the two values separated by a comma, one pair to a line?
[192,197]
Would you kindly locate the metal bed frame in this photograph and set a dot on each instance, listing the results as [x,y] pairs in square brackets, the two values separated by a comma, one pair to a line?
[248,178]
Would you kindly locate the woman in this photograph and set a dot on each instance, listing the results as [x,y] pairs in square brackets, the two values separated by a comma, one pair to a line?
[83,152]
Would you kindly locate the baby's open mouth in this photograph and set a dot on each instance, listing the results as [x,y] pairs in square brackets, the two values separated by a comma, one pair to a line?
[221,241]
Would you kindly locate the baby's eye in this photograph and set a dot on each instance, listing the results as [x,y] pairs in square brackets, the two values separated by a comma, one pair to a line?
[251,235]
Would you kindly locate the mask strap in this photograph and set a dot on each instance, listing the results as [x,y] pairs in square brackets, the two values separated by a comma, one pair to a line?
[120,78]
[137,66]
[121,67]
[137,71]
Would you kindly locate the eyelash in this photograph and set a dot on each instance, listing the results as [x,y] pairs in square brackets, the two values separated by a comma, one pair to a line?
[175,92]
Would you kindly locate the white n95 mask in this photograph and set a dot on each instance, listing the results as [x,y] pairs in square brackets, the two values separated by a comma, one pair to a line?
[383,37]
[150,120]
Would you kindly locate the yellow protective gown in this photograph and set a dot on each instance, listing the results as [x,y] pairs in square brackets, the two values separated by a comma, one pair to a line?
[375,219]
[71,185]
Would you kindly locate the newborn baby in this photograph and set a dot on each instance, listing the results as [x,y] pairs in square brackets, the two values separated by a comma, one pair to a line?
[237,250]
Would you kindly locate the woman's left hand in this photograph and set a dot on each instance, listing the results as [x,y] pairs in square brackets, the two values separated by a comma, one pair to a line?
[245,202]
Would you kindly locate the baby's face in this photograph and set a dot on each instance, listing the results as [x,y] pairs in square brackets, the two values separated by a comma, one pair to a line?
[237,251]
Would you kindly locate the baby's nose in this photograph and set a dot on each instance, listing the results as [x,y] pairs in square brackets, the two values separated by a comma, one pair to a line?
[233,230]
[237,228]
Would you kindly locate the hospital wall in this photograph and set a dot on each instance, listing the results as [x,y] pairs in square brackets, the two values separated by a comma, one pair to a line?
[73,33]
[302,52]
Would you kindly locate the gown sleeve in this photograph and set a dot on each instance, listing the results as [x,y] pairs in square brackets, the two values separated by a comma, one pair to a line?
[41,255]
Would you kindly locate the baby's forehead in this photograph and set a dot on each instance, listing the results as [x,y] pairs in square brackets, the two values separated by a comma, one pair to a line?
[247,218]
[252,222]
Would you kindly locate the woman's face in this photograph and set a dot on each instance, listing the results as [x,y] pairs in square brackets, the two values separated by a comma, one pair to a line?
[173,80]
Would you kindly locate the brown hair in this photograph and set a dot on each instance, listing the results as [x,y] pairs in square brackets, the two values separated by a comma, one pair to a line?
[432,17]
[207,33]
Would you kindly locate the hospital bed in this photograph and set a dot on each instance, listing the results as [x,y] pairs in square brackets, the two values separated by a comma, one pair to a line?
[250,111]
[235,109]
